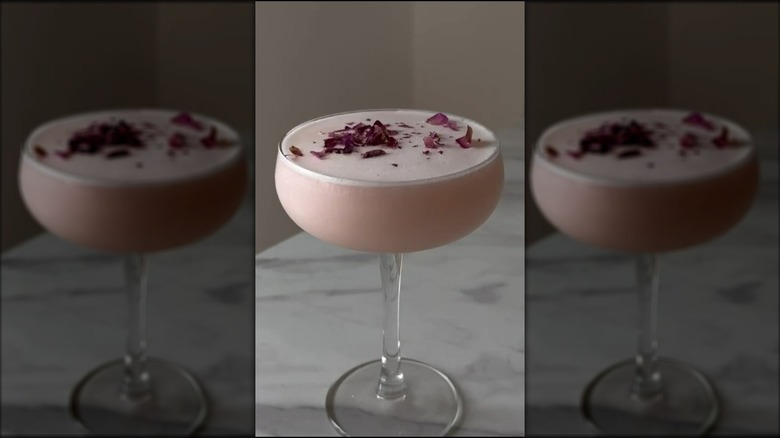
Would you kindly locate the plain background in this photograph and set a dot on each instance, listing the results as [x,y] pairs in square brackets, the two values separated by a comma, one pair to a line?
[64,58]
[585,57]
[318,58]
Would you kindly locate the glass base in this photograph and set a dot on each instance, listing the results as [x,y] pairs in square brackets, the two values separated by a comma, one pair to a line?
[177,405]
[432,405]
[687,406]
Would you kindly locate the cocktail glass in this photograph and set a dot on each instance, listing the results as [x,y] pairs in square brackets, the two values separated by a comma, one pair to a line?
[647,394]
[391,396]
[135,395]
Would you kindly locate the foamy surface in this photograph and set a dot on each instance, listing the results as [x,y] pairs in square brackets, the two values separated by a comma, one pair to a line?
[663,163]
[406,163]
[152,163]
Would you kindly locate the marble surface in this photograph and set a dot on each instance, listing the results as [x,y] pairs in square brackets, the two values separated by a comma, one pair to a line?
[718,311]
[319,313]
[63,313]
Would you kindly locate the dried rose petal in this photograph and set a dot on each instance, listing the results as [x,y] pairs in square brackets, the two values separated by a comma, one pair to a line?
[210,140]
[433,140]
[722,140]
[93,138]
[551,151]
[40,151]
[610,135]
[177,140]
[318,154]
[186,119]
[697,119]
[465,141]
[689,140]
[438,119]
[296,151]
[374,153]
[452,124]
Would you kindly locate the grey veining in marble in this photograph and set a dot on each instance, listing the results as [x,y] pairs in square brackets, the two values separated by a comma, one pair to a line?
[718,311]
[319,313]
[63,313]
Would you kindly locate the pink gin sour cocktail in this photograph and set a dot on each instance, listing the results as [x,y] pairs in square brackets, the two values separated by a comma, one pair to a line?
[425,191]
[645,182]
[132,180]
[692,180]
[390,182]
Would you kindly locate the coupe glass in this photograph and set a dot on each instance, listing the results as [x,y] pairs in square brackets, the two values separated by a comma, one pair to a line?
[646,395]
[390,396]
[135,395]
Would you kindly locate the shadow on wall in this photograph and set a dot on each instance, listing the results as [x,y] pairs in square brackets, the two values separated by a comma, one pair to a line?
[62,59]
[655,54]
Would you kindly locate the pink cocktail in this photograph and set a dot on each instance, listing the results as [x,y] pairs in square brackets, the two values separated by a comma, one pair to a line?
[390,182]
[133,182]
[645,182]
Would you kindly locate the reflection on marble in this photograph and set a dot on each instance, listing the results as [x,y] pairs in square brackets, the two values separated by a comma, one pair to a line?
[319,313]
[63,313]
[718,312]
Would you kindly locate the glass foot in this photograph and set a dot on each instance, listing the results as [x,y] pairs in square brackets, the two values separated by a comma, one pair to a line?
[432,405]
[177,405]
[687,406]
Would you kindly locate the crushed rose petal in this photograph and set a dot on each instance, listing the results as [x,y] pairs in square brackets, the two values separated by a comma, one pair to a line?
[697,119]
[689,140]
[465,141]
[722,140]
[452,124]
[438,119]
[210,140]
[433,140]
[318,154]
[177,140]
[184,118]
[96,136]
[374,153]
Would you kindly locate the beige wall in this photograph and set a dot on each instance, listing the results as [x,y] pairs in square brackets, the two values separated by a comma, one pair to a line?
[717,57]
[433,55]
[64,58]
[469,58]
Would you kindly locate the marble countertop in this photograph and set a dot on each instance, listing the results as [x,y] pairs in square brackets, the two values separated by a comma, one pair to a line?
[63,313]
[718,311]
[319,313]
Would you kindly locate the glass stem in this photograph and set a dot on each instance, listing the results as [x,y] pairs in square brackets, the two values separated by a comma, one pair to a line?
[135,384]
[647,380]
[391,379]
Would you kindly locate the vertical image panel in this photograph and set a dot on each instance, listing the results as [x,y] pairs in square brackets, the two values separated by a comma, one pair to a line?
[127,219]
[652,218]
[389,266]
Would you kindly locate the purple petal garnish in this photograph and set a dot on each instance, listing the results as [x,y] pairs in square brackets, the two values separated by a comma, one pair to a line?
[318,154]
[177,140]
[465,141]
[438,119]
[697,119]
[722,140]
[210,140]
[186,119]
[432,140]
[452,124]
[374,153]
[689,140]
